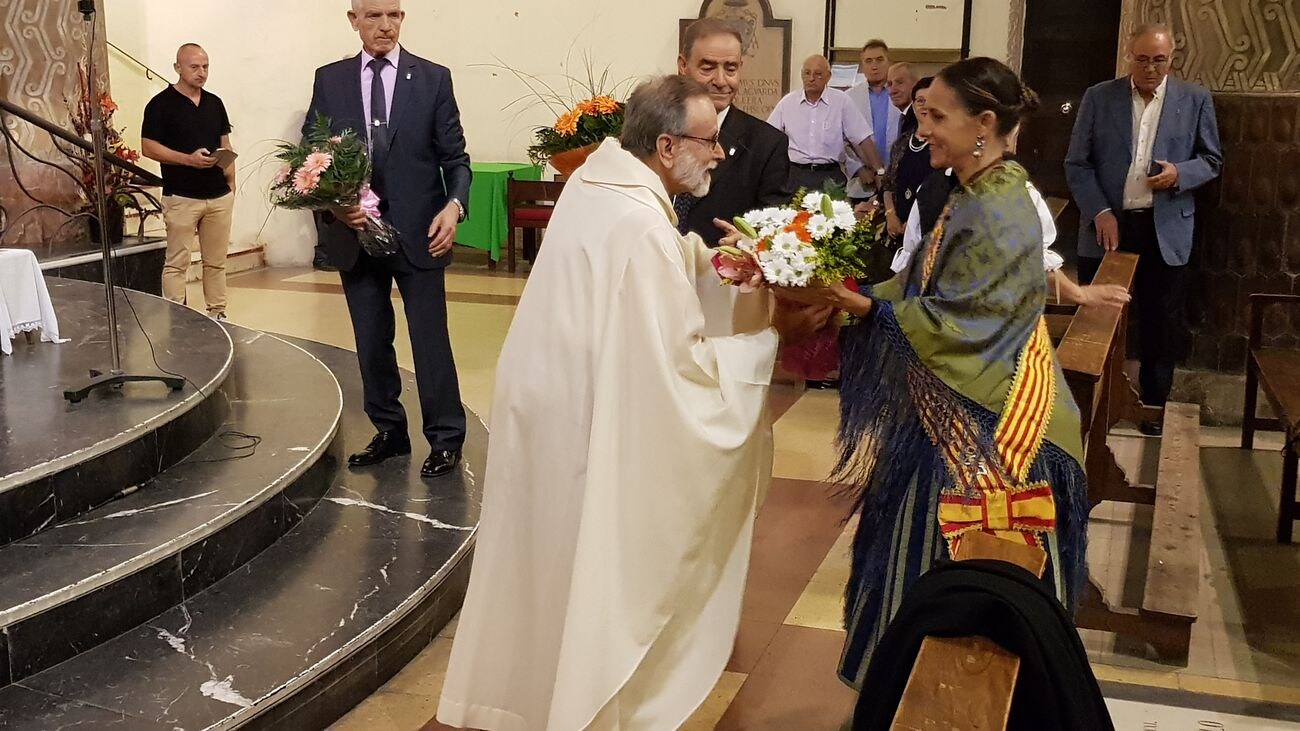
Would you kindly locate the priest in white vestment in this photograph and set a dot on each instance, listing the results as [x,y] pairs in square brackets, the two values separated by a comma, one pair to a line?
[629,448]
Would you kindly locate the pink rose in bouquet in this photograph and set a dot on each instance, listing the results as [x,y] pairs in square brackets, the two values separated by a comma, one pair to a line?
[737,267]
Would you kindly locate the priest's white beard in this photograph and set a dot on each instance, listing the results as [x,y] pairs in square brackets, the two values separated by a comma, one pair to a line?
[693,174]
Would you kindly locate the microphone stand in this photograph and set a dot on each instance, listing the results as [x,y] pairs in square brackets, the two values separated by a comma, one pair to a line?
[115,376]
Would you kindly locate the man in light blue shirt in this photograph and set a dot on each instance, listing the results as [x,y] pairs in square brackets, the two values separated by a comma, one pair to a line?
[871,97]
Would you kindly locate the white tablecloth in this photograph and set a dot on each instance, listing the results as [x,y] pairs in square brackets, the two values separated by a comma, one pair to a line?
[24,300]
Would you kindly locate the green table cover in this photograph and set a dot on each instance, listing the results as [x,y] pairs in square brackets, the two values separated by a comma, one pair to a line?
[485,228]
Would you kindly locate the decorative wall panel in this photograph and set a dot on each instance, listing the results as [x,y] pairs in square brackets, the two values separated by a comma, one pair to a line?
[1230,45]
[41,43]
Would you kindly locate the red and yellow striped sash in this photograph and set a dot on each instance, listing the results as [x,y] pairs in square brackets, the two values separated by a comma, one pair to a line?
[991,492]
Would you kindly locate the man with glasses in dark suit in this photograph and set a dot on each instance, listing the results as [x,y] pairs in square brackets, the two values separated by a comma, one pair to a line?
[756,171]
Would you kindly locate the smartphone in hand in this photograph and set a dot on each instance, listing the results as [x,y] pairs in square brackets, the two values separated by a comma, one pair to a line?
[1154,168]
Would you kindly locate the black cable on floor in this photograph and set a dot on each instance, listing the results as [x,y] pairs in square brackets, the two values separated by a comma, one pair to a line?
[244,444]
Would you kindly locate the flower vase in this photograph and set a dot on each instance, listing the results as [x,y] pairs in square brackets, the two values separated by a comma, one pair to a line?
[115,223]
[569,160]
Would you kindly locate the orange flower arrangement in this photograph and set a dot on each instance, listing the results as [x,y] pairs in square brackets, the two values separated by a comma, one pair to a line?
[587,109]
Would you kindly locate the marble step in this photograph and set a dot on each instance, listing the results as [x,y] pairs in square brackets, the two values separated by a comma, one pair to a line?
[305,630]
[60,460]
[84,581]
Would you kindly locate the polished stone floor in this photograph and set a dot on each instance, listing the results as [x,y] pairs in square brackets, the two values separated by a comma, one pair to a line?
[1245,659]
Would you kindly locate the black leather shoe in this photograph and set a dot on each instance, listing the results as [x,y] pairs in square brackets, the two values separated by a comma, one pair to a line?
[1152,428]
[386,444]
[440,463]
[823,385]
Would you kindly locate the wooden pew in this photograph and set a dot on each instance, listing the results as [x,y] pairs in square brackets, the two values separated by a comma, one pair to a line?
[1278,371]
[1092,353]
[966,682]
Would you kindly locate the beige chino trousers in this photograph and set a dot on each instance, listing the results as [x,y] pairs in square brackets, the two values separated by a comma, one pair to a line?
[197,224]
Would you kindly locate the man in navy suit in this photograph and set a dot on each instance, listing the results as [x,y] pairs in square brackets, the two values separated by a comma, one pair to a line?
[756,171]
[1141,147]
[405,106]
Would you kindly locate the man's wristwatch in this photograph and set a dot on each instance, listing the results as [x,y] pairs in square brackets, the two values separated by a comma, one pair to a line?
[460,207]
[880,172]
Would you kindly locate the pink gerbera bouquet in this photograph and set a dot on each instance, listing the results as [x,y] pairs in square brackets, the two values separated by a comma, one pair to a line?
[327,171]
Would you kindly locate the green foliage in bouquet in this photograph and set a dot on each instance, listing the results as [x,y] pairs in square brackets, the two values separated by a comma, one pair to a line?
[308,180]
[852,253]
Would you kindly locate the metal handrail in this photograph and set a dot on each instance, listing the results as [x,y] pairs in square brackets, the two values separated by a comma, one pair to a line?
[144,176]
[149,73]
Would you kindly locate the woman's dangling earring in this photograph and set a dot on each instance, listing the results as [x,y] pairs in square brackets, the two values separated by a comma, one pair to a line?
[979,147]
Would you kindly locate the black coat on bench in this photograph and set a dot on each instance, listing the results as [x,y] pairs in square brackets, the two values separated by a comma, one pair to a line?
[1009,606]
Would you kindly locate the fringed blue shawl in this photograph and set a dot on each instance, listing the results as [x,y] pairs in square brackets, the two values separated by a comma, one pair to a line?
[948,346]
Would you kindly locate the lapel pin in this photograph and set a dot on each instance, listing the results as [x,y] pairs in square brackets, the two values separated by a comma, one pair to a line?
[408,75]
[732,151]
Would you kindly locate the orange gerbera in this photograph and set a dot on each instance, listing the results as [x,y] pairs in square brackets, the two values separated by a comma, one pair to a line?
[605,104]
[800,232]
[567,124]
[587,107]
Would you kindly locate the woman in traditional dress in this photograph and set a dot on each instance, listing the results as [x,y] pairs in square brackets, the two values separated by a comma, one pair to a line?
[955,415]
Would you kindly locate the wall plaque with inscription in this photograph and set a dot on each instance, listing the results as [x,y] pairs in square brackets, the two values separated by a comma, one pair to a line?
[766,77]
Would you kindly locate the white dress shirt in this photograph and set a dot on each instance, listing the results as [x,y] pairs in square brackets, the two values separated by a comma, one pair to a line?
[1146,120]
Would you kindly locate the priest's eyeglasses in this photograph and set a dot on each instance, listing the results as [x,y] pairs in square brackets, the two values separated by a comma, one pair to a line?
[709,142]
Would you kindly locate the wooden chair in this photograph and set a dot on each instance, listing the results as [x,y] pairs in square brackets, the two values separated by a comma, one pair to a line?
[1278,371]
[529,204]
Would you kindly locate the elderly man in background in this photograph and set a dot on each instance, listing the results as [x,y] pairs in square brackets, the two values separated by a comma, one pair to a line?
[902,121]
[756,171]
[1141,147]
[183,126]
[819,122]
[606,588]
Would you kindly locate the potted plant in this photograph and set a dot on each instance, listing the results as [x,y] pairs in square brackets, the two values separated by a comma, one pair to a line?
[122,193]
[586,112]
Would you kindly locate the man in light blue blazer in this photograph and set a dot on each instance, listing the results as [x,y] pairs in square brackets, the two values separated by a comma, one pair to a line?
[1141,147]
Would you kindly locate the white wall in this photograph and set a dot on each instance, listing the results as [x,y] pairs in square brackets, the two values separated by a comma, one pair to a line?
[990,24]
[263,54]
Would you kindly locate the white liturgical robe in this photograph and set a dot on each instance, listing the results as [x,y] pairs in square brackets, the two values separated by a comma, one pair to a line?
[629,449]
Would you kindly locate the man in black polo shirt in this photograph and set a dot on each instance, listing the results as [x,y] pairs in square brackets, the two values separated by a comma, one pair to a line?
[183,126]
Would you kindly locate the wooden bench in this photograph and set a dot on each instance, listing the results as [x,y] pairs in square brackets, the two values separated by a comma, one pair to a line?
[1092,353]
[1277,370]
[966,682]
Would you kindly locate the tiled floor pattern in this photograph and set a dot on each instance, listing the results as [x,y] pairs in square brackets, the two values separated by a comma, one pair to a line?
[1245,654]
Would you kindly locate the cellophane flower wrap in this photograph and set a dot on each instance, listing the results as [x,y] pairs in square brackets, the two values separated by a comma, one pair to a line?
[815,238]
[328,171]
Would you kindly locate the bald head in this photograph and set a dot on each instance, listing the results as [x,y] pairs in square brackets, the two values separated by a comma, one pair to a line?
[191,67]
[1152,32]
[359,5]
[816,75]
